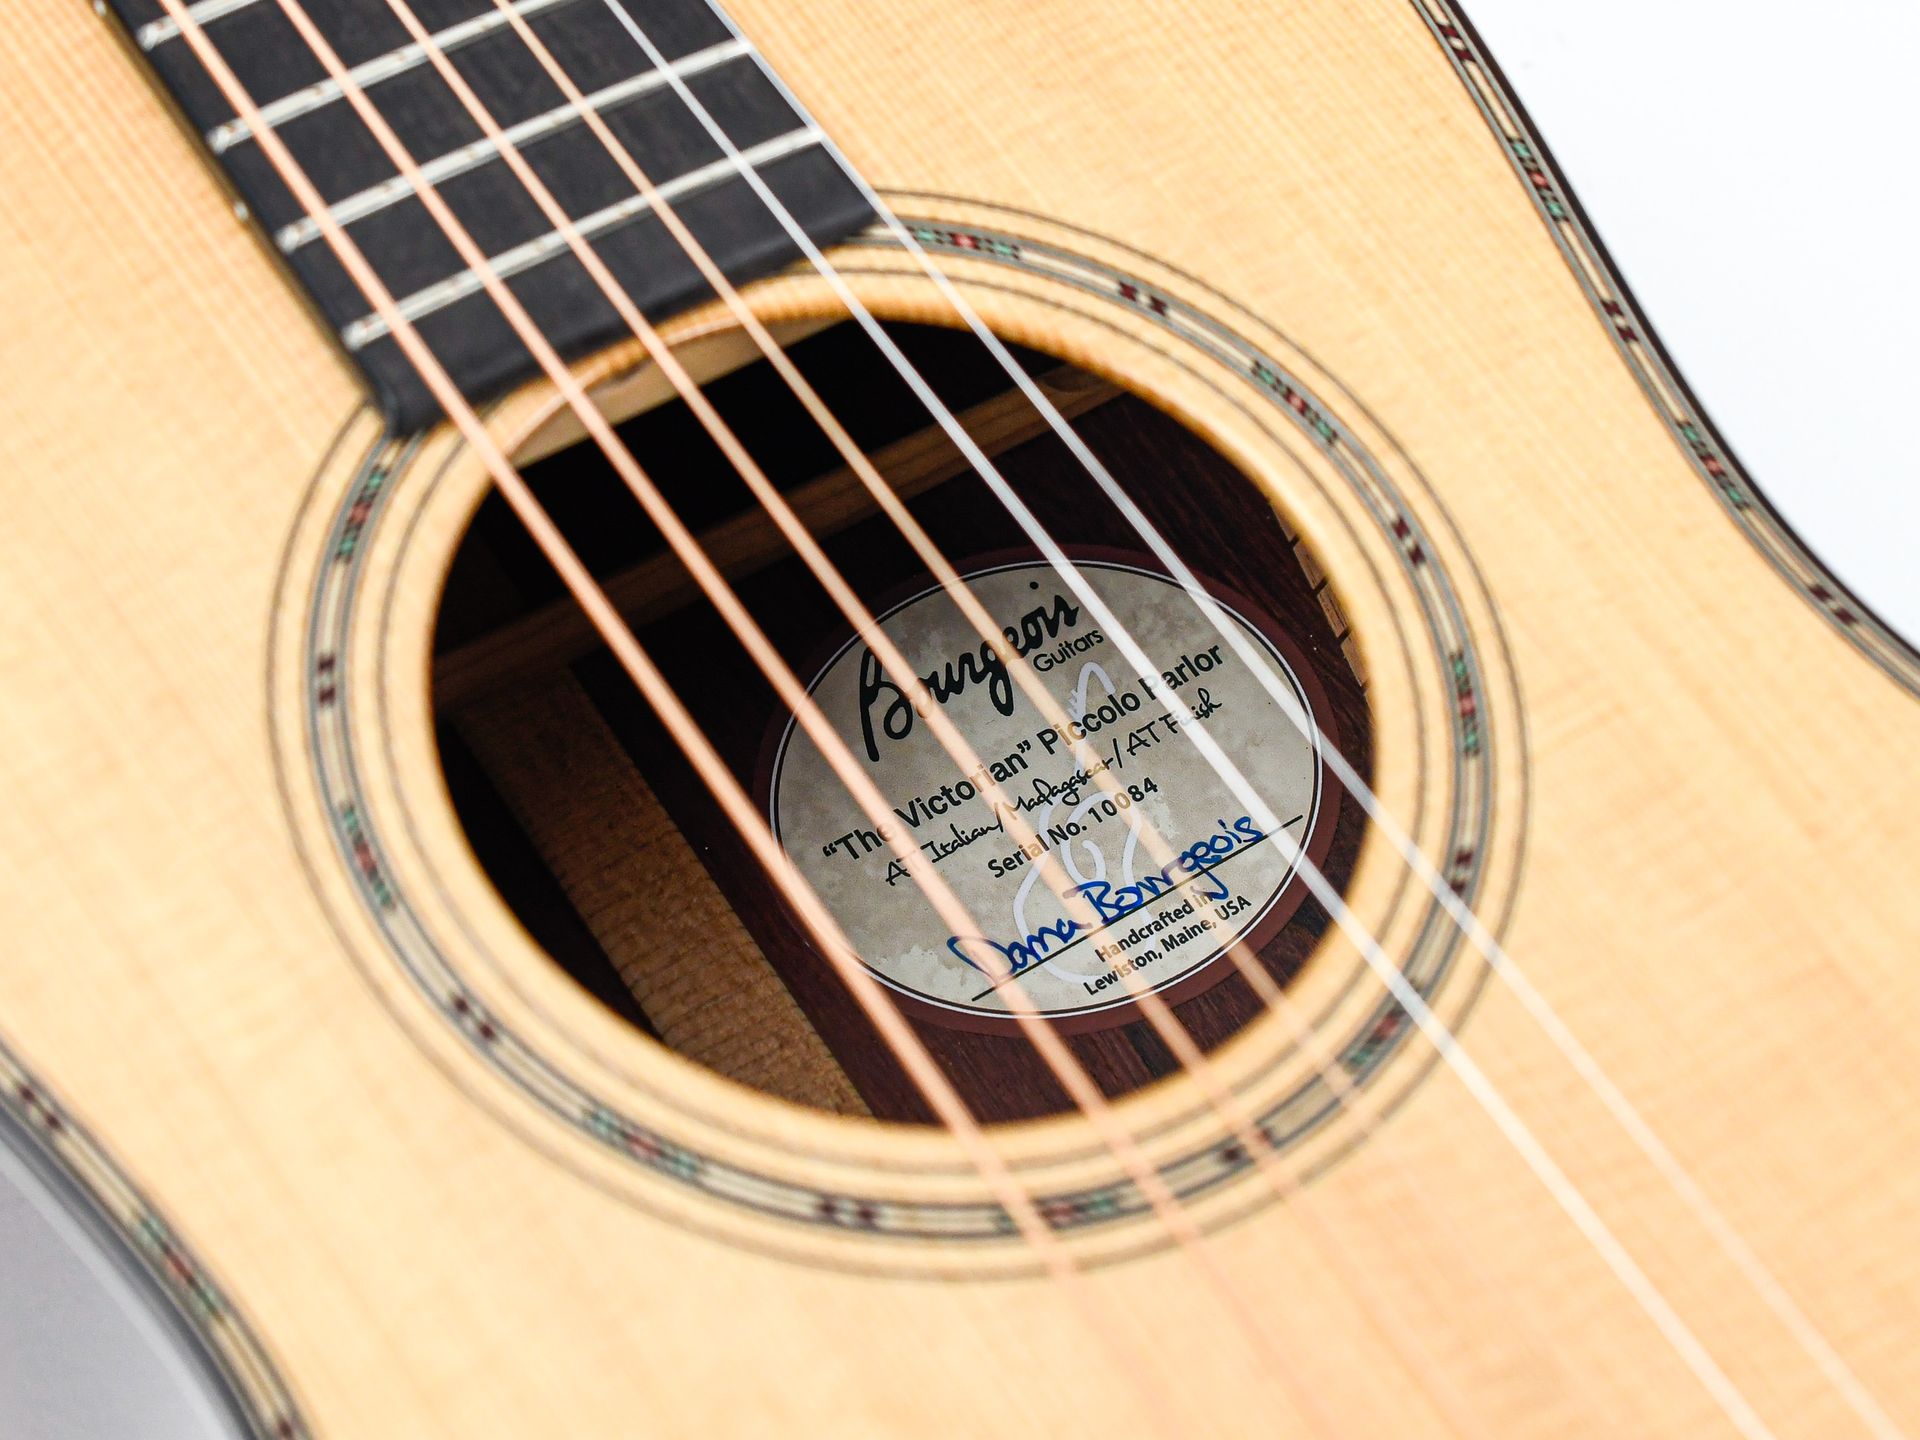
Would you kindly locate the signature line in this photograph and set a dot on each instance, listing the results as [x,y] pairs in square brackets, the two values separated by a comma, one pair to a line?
[1143,905]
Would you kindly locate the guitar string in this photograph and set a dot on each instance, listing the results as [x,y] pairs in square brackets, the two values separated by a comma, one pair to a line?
[1229,1106]
[881,1010]
[1656,1305]
[722,597]
[1150,1184]
[1059,1059]
[1693,1196]
[1715,1380]
[1202,737]
[1414,1355]
[1653,1302]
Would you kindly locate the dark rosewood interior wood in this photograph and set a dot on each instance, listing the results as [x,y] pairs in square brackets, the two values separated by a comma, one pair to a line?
[1215,518]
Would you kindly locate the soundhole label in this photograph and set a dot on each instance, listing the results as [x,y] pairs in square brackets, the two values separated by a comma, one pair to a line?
[1094,849]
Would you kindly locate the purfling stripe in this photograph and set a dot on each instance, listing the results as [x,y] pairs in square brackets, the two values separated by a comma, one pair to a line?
[1633,338]
[331,740]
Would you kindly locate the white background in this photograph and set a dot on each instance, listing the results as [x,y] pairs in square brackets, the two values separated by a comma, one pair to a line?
[1749,166]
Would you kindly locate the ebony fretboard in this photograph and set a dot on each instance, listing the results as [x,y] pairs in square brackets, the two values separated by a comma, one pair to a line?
[390,224]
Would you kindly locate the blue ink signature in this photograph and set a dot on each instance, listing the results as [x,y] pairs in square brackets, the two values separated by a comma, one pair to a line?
[1007,958]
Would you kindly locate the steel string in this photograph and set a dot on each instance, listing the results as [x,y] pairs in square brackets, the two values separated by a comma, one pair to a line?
[1229,1106]
[1065,1066]
[884,1014]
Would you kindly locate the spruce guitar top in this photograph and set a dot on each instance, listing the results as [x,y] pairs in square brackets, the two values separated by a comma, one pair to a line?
[889,720]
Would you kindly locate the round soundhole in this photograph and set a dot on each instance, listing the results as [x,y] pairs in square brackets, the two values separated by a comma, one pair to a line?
[1123,791]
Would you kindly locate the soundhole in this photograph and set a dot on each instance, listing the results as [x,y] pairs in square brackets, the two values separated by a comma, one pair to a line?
[607,845]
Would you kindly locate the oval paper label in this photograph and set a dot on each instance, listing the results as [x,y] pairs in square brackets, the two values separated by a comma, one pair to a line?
[1114,908]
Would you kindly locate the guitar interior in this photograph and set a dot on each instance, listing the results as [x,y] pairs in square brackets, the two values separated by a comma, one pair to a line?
[602,839]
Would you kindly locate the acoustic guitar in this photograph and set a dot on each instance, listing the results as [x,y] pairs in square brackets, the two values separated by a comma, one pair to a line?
[916,719]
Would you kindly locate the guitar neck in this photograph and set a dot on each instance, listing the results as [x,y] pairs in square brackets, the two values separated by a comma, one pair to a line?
[605,54]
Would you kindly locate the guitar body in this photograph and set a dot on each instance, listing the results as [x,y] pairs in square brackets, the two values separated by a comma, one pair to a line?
[1684,787]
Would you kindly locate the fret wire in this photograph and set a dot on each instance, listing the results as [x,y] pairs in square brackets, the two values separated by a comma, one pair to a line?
[158,32]
[391,191]
[224,137]
[525,256]
[623,84]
